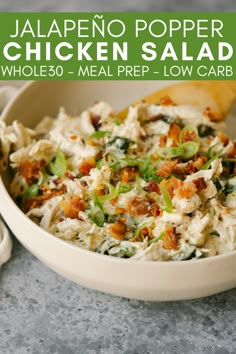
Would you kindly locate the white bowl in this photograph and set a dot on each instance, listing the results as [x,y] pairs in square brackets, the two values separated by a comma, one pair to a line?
[125,277]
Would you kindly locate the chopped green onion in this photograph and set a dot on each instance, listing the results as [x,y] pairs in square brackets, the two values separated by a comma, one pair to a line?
[111,158]
[166,203]
[208,163]
[42,178]
[128,253]
[145,165]
[123,188]
[156,239]
[188,149]
[116,120]
[96,213]
[210,151]
[99,164]
[31,192]
[99,134]
[188,128]
[112,161]
[148,170]
[167,199]
[185,150]
[116,167]
[129,161]
[168,152]
[58,165]
[111,194]
[144,224]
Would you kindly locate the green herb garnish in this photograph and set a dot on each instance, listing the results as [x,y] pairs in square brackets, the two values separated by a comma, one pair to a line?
[31,192]
[99,134]
[167,199]
[185,151]
[112,192]
[165,203]
[57,166]
[208,163]
[96,212]
[123,188]
[156,239]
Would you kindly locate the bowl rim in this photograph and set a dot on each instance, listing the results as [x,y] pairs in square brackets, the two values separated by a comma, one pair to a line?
[98,256]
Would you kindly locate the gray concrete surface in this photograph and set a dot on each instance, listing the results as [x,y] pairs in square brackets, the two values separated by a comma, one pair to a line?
[40,312]
[122,5]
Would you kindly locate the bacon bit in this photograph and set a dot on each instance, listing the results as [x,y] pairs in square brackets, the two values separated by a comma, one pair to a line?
[100,189]
[138,206]
[190,168]
[189,136]
[155,210]
[152,187]
[95,120]
[57,181]
[166,101]
[36,202]
[187,190]
[163,139]
[61,219]
[232,151]
[86,166]
[223,137]
[170,241]
[211,115]
[73,137]
[200,162]
[73,206]
[174,132]
[31,170]
[225,171]
[69,175]
[172,184]
[91,142]
[179,170]
[118,230]
[146,232]
[128,173]
[185,170]
[83,184]
[166,168]
[120,211]
[200,183]
[154,157]
[114,201]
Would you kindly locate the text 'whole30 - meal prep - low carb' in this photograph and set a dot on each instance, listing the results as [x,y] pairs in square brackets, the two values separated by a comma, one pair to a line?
[159,185]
